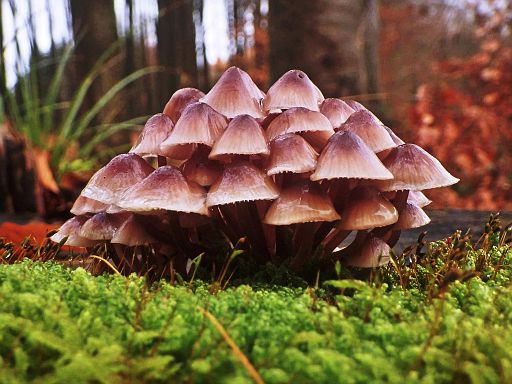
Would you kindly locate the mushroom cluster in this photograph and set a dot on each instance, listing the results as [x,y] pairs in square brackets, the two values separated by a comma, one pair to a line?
[289,171]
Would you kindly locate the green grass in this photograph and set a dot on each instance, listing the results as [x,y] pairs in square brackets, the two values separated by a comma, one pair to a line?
[445,319]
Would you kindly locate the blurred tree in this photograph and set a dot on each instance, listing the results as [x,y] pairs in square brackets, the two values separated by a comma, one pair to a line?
[94,32]
[3,81]
[176,46]
[333,41]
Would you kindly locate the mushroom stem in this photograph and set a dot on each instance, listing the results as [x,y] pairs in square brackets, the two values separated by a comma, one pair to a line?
[333,239]
[269,231]
[161,161]
[180,237]
[338,192]
[251,227]
[356,243]
[221,222]
[303,239]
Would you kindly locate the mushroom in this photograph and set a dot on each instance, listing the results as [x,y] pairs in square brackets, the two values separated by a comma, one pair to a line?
[70,231]
[291,153]
[155,131]
[131,233]
[102,226]
[198,124]
[165,189]
[241,181]
[347,156]
[301,203]
[415,169]
[411,216]
[180,100]
[373,253]
[83,205]
[243,136]
[119,174]
[235,94]
[293,89]
[367,210]
[370,130]
[337,111]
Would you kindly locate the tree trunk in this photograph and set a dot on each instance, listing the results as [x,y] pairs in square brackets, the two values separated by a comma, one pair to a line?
[176,46]
[94,32]
[333,41]
[3,80]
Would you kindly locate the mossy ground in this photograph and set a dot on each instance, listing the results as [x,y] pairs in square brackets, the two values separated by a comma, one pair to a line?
[443,317]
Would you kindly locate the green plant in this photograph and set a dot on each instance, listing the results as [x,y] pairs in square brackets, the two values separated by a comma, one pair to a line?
[56,127]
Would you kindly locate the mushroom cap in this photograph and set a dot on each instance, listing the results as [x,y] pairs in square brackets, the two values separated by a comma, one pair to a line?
[301,203]
[102,226]
[119,174]
[178,151]
[418,198]
[394,137]
[71,230]
[355,105]
[156,129]
[241,182]
[370,130]
[411,216]
[414,169]
[291,153]
[132,233]
[84,205]
[199,124]
[373,253]
[293,89]
[180,100]
[347,156]
[201,171]
[336,110]
[235,94]
[243,136]
[367,209]
[299,120]
[166,188]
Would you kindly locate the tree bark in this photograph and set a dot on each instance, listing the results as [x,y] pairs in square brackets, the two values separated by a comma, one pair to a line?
[94,32]
[333,41]
[176,46]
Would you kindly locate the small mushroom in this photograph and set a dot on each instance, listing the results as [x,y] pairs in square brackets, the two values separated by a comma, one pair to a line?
[119,174]
[411,216]
[347,156]
[291,153]
[293,89]
[180,100]
[367,209]
[241,181]
[337,111]
[373,253]
[165,189]
[198,124]
[71,230]
[243,136]
[414,169]
[370,130]
[302,203]
[155,131]
[235,94]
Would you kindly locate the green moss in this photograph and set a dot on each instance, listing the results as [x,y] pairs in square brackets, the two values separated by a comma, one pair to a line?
[65,326]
